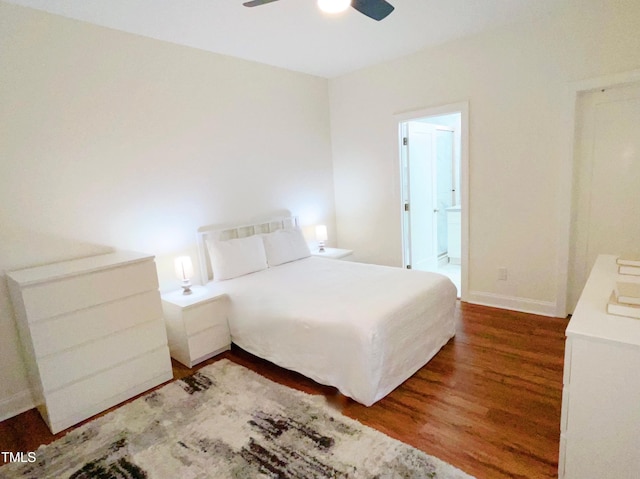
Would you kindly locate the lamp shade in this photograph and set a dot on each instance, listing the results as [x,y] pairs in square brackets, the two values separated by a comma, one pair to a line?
[321,233]
[184,268]
[333,6]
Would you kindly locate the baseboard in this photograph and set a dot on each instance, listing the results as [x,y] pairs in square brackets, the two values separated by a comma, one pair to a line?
[524,305]
[16,404]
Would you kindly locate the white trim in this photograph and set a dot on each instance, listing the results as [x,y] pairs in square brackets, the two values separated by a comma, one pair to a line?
[438,110]
[463,109]
[605,81]
[16,404]
[566,186]
[513,303]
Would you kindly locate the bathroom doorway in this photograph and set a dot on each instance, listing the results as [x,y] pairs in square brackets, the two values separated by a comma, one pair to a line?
[431,171]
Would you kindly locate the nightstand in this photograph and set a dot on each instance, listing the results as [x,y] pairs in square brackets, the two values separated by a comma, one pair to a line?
[335,253]
[196,324]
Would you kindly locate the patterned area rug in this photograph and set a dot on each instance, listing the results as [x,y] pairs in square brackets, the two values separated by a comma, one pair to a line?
[228,422]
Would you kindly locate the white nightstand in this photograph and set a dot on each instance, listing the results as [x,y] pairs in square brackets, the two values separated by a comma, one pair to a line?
[335,253]
[197,326]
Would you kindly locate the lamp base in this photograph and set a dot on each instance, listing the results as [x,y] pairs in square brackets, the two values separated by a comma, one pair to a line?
[186,287]
[321,247]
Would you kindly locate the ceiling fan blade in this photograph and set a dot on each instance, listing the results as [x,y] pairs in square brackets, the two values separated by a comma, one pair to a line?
[257,3]
[376,9]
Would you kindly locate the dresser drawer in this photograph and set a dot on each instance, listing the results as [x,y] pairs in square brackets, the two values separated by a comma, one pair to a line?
[203,315]
[83,399]
[208,341]
[77,363]
[46,300]
[63,332]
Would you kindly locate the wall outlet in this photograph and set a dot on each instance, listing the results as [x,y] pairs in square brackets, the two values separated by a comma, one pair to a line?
[502,274]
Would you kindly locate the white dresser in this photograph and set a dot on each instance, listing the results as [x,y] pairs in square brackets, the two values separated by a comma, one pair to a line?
[600,425]
[196,324]
[92,332]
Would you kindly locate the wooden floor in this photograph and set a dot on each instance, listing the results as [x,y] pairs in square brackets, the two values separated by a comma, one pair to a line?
[488,403]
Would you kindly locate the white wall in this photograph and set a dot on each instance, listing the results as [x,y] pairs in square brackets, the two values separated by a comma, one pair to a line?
[117,140]
[516,80]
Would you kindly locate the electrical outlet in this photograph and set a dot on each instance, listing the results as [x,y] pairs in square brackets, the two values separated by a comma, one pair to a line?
[502,274]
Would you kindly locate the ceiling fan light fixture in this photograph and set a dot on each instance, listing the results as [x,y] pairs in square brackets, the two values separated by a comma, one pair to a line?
[334,6]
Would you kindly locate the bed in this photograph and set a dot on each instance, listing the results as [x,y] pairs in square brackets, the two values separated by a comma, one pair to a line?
[361,328]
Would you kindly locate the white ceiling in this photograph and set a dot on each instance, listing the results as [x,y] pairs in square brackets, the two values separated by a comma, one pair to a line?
[294,34]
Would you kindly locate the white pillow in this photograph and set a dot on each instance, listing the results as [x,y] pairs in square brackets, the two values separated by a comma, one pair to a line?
[283,246]
[236,257]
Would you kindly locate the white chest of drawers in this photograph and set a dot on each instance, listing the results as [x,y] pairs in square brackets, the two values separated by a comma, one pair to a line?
[600,425]
[196,324]
[92,332]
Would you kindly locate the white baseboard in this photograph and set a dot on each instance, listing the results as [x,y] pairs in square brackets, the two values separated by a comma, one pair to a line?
[524,305]
[16,404]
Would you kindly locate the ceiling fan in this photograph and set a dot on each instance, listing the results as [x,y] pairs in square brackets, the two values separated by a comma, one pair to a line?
[376,9]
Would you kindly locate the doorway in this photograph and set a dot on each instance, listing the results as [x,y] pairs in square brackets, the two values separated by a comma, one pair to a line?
[605,201]
[431,165]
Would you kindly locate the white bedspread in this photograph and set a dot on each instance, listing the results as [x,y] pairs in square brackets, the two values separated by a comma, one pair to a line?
[359,327]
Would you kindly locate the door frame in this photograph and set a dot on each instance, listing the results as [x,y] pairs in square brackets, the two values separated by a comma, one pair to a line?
[574,89]
[463,109]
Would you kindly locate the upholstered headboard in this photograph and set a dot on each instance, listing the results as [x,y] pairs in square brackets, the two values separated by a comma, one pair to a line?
[226,232]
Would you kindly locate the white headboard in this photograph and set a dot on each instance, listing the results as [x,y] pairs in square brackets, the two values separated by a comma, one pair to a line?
[226,232]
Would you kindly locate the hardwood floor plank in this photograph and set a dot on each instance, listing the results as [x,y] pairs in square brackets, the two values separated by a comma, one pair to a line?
[489,402]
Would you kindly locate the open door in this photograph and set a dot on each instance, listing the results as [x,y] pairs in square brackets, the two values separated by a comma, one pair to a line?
[420,201]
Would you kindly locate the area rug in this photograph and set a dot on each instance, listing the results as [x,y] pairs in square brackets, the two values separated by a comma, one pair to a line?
[228,422]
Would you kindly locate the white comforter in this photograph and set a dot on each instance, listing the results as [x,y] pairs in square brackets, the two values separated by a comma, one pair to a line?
[359,327]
